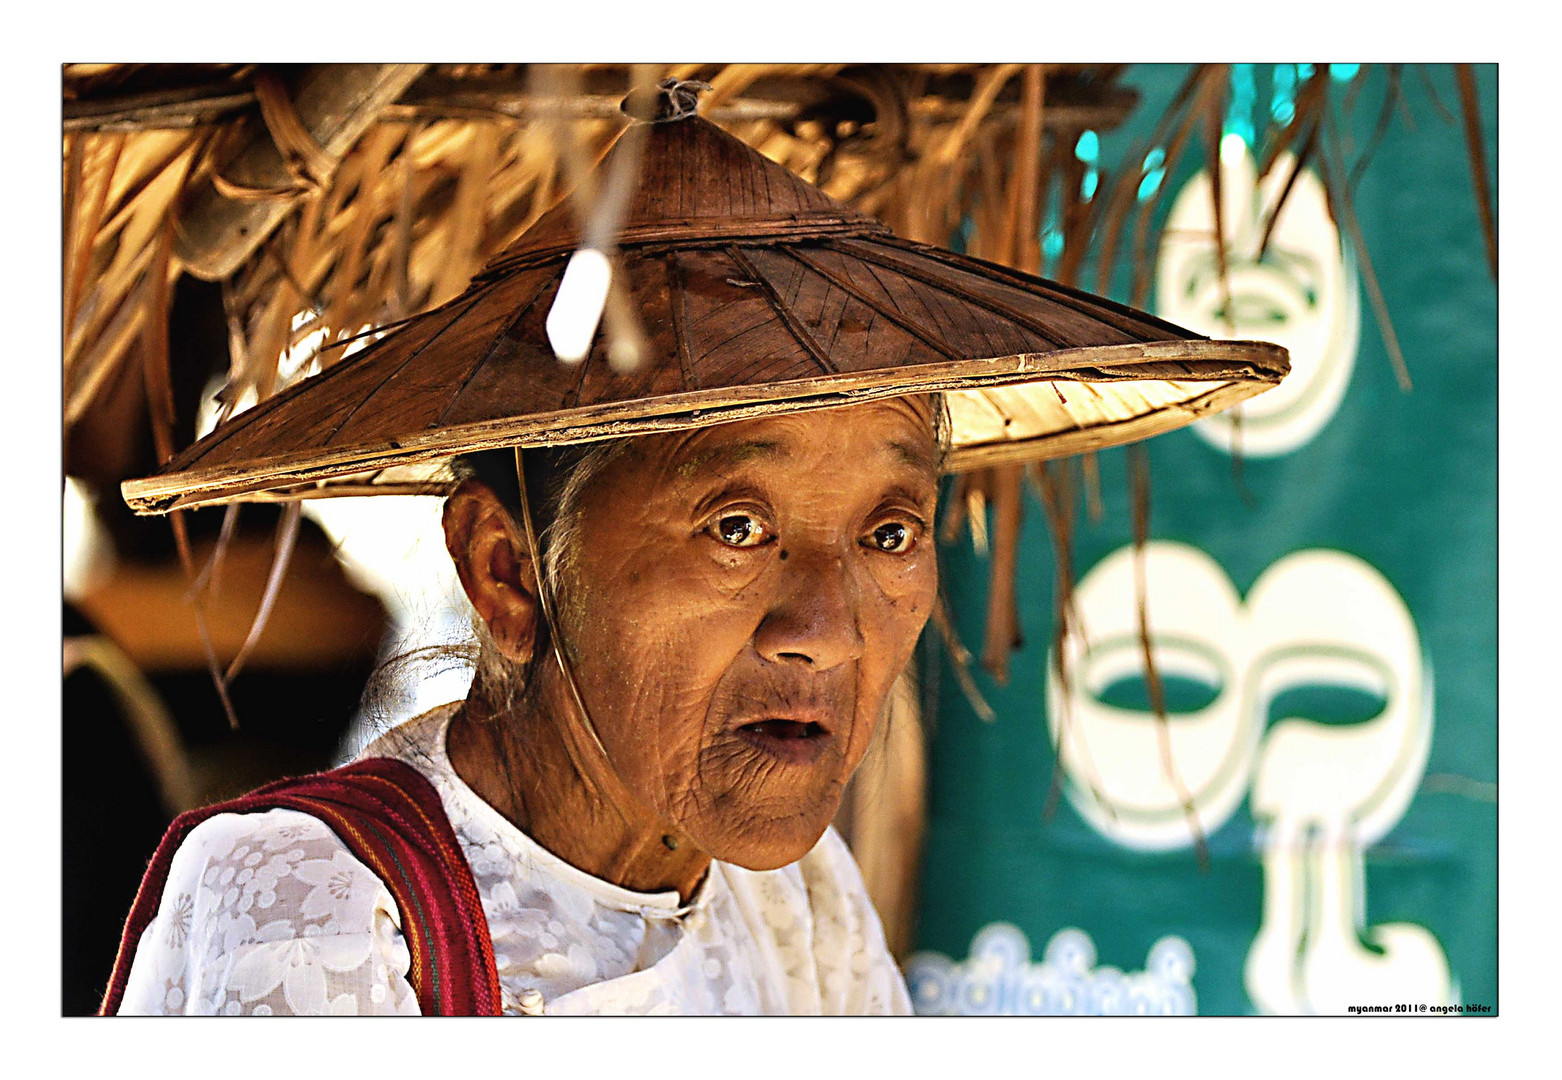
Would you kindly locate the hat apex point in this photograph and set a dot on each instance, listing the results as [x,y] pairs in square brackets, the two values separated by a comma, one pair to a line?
[670,99]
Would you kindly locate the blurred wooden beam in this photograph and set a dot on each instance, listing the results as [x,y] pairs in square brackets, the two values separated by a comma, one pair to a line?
[181,108]
[336,104]
[436,96]
[320,620]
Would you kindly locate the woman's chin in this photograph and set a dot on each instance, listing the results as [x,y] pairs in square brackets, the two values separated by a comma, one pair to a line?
[771,858]
[771,844]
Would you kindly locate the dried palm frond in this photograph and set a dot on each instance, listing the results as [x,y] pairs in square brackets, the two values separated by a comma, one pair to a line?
[1124,193]
[1470,106]
[1342,208]
[287,534]
[1217,83]
[1210,87]
[1052,490]
[1391,97]
[961,658]
[1139,480]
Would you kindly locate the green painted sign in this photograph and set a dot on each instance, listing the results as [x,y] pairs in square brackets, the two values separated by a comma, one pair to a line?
[1328,635]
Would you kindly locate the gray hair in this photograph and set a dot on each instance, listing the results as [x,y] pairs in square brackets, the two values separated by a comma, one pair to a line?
[560,537]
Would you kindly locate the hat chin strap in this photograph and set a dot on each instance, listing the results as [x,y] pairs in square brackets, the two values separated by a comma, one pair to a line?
[545,595]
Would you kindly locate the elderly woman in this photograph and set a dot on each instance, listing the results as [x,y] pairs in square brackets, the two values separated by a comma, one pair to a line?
[736,602]
[690,631]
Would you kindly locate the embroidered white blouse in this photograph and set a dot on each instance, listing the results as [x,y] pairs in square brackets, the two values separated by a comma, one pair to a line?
[270,914]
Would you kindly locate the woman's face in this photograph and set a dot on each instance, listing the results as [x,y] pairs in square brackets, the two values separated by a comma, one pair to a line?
[741,602]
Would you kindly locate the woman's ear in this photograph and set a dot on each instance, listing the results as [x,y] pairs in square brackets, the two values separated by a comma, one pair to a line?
[495,567]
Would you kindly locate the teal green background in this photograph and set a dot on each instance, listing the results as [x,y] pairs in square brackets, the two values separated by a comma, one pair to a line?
[1404,481]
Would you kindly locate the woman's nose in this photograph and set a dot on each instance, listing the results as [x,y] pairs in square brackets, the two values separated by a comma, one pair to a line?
[815,621]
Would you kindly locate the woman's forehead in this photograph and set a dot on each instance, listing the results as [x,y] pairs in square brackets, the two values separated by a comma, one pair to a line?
[899,430]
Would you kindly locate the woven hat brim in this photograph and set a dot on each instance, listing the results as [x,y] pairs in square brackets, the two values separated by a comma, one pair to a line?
[1028,390]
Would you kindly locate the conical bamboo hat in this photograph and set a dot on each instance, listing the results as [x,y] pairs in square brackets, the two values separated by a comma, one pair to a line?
[758,294]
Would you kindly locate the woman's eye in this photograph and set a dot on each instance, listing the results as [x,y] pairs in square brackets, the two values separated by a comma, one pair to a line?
[894,537]
[739,530]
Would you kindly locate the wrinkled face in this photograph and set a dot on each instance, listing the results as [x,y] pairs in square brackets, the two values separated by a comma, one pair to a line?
[743,598]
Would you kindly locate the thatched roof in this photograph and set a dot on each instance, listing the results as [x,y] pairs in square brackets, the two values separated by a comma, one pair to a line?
[360,194]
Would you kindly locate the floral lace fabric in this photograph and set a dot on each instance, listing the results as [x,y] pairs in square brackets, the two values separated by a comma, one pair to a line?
[271,914]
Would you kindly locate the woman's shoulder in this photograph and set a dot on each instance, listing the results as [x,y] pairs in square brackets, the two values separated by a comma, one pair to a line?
[256,910]
[246,863]
[274,873]
[271,833]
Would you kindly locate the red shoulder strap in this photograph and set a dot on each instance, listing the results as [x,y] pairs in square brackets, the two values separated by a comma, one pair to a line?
[391,818]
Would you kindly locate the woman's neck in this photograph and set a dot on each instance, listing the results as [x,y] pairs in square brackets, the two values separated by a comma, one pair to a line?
[543,773]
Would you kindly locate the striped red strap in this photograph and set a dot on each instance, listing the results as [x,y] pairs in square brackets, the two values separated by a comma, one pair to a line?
[391,818]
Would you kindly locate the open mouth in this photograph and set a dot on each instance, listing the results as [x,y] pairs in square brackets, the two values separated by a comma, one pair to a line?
[784,729]
[796,741]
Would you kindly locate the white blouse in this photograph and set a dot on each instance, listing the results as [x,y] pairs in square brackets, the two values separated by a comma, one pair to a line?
[270,914]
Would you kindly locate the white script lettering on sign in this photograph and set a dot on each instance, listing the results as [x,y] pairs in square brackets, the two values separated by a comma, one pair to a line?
[998,979]
[1300,292]
[1325,781]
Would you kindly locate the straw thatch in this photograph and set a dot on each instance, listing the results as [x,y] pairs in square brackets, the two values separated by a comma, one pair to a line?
[332,198]
[188,176]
